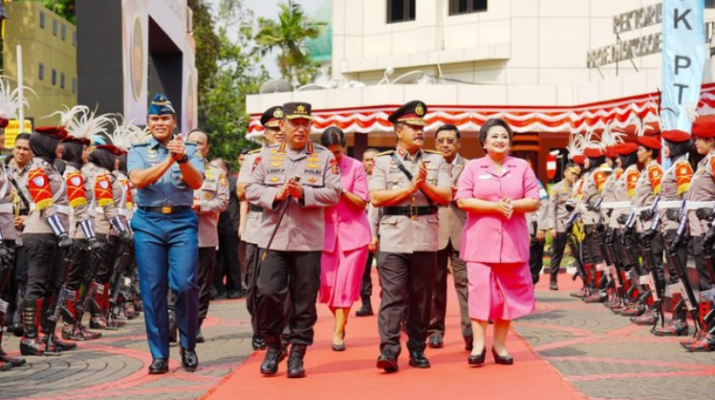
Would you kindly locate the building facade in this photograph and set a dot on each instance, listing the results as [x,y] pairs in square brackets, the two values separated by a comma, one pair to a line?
[550,67]
[49,56]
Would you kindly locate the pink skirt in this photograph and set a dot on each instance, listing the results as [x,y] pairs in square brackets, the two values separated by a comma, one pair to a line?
[500,291]
[341,276]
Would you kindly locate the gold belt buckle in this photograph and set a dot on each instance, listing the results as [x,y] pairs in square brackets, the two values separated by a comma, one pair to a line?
[166,209]
[413,210]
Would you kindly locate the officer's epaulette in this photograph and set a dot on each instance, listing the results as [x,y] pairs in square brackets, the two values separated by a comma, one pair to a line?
[433,152]
[385,153]
[254,151]
[143,144]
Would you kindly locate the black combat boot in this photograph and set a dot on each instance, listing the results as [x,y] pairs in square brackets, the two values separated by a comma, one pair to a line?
[30,344]
[274,355]
[366,309]
[678,325]
[6,359]
[295,361]
[52,342]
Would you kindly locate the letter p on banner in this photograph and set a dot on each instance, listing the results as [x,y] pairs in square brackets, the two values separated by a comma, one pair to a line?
[683,61]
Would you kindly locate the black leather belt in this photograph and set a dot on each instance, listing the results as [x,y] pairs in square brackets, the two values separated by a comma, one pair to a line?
[166,209]
[411,211]
[254,208]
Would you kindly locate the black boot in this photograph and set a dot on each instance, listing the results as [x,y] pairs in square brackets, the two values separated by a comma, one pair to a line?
[553,285]
[6,359]
[274,355]
[366,309]
[678,325]
[295,361]
[48,329]
[30,344]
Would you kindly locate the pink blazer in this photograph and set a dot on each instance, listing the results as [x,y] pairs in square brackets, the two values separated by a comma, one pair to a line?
[350,226]
[491,238]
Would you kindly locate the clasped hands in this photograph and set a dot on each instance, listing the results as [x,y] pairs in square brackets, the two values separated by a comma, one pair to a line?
[505,207]
[177,148]
[292,187]
[419,180]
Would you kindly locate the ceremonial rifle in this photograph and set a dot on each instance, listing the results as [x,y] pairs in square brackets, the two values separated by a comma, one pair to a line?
[683,285]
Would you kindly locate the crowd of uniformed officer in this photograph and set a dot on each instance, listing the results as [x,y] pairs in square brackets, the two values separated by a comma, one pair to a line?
[66,244]
[631,213]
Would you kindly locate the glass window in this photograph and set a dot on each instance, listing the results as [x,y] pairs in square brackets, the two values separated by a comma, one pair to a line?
[54,76]
[64,32]
[42,71]
[74,85]
[457,7]
[42,20]
[74,39]
[400,10]
[54,27]
[62,80]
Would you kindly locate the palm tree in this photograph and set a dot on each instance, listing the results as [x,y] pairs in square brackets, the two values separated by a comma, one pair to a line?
[289,34]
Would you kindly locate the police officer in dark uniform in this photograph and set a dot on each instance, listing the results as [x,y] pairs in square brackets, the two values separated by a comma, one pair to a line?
[166,171]
[294,180]
[408,184]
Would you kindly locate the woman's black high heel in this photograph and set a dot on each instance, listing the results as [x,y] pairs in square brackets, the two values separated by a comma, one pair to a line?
[477,360]
[506,360]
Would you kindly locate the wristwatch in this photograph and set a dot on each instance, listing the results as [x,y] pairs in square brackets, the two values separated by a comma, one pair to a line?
[184,158]
[344,191]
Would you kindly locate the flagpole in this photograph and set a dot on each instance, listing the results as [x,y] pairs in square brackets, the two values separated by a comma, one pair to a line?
[20,94]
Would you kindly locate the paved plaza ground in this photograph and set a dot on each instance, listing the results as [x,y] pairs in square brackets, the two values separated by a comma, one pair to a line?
[601,355]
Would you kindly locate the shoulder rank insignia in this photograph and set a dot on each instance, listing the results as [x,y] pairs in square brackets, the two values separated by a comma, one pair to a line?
[386,153]
[254,151]
[433,152]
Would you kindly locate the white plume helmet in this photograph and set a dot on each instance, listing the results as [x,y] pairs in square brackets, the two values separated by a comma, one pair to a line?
[82,123]
[575,145]
[591,140]
[641,128]
[126,133]
[611,136]
[10,101]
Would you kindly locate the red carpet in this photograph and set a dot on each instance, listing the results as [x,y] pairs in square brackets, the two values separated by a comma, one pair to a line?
[352,374]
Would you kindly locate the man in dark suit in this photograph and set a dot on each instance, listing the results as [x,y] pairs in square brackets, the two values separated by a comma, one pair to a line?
[228,265]
[451,222]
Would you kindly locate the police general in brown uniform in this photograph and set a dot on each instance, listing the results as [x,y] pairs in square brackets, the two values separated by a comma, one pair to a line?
[408,184]
[294,179]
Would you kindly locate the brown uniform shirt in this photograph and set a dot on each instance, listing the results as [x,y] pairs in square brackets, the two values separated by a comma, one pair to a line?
[647,188]
[675,185]
[702,190]
[7,208]
[105,208]
[556,213]
[214,200]
[36,221]
[303,226]
[252,226]
[591,193]
[80,198]
[624,191]
[402,234]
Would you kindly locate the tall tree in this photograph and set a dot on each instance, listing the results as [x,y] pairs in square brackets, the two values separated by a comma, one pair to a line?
[288,35]
[222,112]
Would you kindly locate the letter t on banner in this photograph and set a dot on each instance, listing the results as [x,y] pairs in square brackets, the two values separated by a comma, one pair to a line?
[683,61]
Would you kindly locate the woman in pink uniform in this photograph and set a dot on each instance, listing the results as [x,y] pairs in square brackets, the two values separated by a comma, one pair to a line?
[347,236]
[496,191]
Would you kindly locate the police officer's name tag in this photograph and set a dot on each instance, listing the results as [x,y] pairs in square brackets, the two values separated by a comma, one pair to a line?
[275,171]
[485,177]
[309,171]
